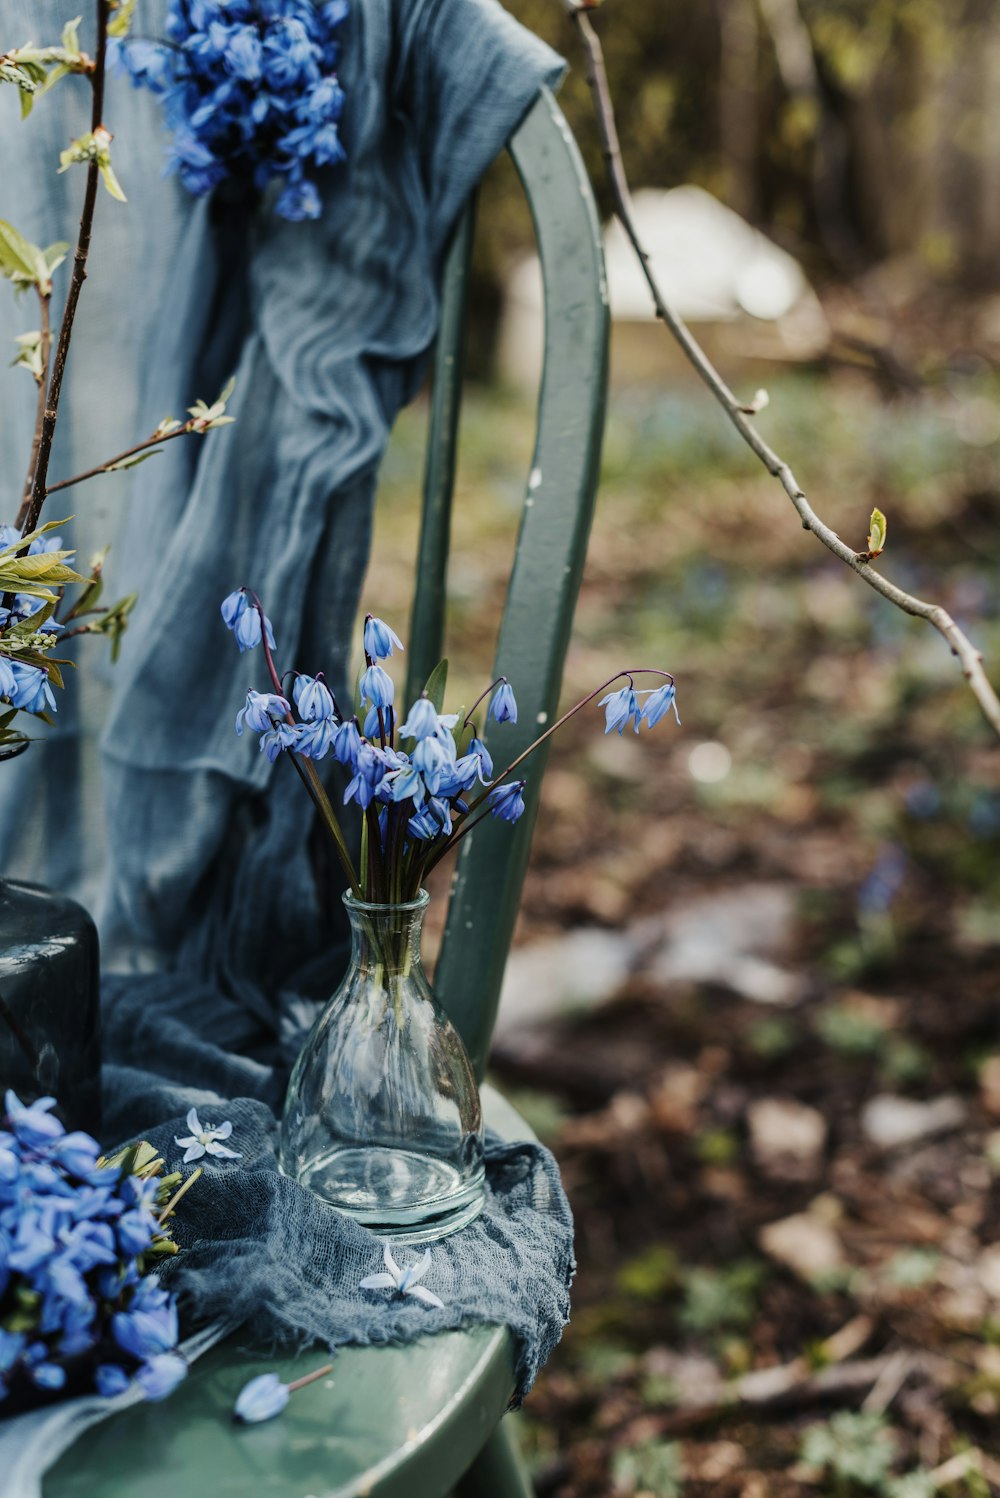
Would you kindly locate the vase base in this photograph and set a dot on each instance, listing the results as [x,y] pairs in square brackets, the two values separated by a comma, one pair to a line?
[400,1195]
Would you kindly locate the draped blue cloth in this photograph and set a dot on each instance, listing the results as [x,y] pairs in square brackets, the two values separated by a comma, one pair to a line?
[144,800]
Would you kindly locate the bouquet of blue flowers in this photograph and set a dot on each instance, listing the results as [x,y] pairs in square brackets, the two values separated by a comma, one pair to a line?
[250,94]
[79,1308]
[421,783]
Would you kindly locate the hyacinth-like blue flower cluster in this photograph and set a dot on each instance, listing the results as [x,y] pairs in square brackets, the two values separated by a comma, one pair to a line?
[73,1300]
[23,685]
[432,782]
[250,92]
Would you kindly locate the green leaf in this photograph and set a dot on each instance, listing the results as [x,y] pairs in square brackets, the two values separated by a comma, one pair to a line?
[70,37]
[108,177]
[19,258]
[121,17]
[436,684]
[15,546]
[876,535]
[132,462]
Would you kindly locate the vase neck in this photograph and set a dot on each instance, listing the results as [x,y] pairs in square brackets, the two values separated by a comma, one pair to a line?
[387,936]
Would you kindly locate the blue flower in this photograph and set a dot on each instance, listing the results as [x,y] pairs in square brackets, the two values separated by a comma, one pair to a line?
[160,1375]
[377,688]
[241,616]
[347,743]
[479,749]
[145,1333]
[314,740]
[111,1380]
[658,704]
[8,681]
[507,802]
[260,709]
[369,769]
[261,1399]
[380,639]
[312,698]
[33,1124]
[32,693]
[503,707]
[250,92]
[421,721]
[435,761]
[277,738]
[404,785]
[620,709]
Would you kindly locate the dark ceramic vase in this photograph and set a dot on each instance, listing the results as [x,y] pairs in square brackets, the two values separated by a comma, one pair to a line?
[50,1028]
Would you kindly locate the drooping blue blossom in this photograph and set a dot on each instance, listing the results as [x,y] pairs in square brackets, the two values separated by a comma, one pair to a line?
[312,698]
[503,708]
[369,771]
[32,692]
[261,1399]
[277,738]
[240,615]
[421,721]
[347,743]
[658,704]
[478,749]
[315,740]
[435,759]
[621,708]
[507,802]
[260,711]
[377,688]
[404,784]
[380,640]
[372,730]
[250,93]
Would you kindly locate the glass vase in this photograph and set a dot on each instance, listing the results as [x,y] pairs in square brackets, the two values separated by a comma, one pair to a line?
[50,1022]
[382,1119]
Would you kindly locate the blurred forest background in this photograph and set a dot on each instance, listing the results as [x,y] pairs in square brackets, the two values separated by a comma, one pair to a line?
[753,1000]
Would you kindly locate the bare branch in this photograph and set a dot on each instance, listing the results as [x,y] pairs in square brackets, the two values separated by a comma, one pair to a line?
[961,646]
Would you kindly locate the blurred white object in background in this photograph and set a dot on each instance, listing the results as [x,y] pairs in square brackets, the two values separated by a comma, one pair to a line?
[745,297]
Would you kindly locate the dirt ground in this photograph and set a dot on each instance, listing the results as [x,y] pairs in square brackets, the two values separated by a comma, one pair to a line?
[758,966]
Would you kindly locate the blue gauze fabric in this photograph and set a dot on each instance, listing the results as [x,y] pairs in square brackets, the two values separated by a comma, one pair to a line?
[210,914]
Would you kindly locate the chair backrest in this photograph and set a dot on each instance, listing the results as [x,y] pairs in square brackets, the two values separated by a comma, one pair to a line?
[551,546]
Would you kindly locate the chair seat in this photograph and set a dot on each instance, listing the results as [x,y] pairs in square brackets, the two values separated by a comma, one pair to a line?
[396,1422]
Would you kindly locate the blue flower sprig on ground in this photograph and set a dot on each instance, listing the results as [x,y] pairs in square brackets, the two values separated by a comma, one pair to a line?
[78,1235]
[250,93]
[420,783]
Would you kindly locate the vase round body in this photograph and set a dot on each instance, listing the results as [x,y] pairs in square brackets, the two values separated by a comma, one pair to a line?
[382,1119]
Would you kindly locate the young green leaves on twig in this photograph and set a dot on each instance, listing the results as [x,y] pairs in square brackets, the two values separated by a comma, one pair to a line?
[34,70]
[878,526]
[24,264]
[94,146]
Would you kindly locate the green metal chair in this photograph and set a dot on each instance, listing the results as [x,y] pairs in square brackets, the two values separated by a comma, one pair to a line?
[404,1422]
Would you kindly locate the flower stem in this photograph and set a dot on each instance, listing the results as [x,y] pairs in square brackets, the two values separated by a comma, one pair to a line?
[309,1378]
[31,507]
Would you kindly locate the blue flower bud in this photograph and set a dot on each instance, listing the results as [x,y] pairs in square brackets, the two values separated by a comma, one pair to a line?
[380,639]
[478,748]
[312,698]
[503,707]
[347,743]
[507,802]
[376,687]
[261,1399]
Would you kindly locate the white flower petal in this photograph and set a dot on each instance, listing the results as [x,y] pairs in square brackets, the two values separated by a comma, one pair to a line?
[214,1148]
[427,1296]
[224,1130]
[194,1152]
[378,1282]
[193,1122]
[391,1265]
[190,1139]
[420,1268]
